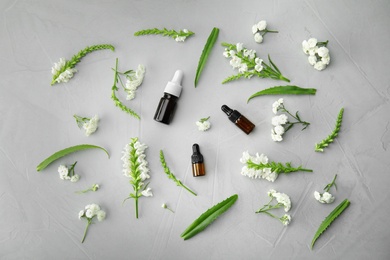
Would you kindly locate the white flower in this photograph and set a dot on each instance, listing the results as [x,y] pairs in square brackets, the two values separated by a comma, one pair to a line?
[326,59]
[279,129]
[249,53]
[81,214]
[232,53]
[258,38]
[313,51]
[312,59]
[144,174]
[89,213]
[93,208]
[283,199]
[58,66]
[276,137]
[271,192]
[239,46]
[101,215]
[134,81]
[323,51]
[258,66]
[75,178]
[286,219]
[226,53]
[305,47]
[262,25]
[63,171]
[66,75]
[243,68]
[312,42]
[180,38]
[276,105]
[91,126]
[260,159]
[147,192]
[95,187]
[270,176]
[326,197]
[245,157]
[254,29]
[320,66]
[203,126]
[279,120]
[235,62]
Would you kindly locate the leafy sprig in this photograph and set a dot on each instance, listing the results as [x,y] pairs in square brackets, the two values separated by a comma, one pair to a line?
[171,175]
[329,219]
[205,53]
[165,32]
[114,88]
[276,167]
[328,140]
[284,90]
[208,217]
[253,65]
[70,64]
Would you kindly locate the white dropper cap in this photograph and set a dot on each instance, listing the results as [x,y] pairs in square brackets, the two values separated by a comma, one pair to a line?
[174,86]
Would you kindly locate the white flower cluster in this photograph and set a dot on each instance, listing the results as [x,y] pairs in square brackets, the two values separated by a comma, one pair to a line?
[281,198]
[66,174]
[203,124]
[242,65]
[181,38]
[257,29]
[91,211]
[141,162]
[134,80]
[64,76]
[90,126]
[264,173]
[277,121]
[318,55]
[325,197]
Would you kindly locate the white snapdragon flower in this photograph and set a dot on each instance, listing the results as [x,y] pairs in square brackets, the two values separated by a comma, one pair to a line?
[243,68]
[276,105]
[245,157]
[264,173]
[325,197]
[66,75]
[258,38]
[258,66]
[235,62]
[134,80]
[91,125]
[239,46]
[147,192]
[58,66]
[262,25]
[249,53]
[279,120]
[63,172]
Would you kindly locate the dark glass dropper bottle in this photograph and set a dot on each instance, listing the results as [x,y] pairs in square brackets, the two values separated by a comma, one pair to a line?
[239,120]
[167,106]
[197,162]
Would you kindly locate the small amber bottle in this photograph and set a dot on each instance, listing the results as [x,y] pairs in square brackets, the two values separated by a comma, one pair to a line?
[197,162]
[239,120]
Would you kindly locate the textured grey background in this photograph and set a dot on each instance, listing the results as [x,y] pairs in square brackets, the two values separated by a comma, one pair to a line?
[38,211]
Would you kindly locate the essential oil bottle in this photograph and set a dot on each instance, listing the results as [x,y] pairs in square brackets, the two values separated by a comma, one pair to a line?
[239,120]
[167,106]
[197,162]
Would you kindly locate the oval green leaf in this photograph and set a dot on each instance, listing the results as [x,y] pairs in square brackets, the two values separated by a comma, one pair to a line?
[67,151]
[208,217]
[205,53]
[284,90]
[329,219]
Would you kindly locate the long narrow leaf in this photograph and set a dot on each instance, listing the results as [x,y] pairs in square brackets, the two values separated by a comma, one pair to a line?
[208,217]
[284,90]
[329,219]
[67,151]
[205,53]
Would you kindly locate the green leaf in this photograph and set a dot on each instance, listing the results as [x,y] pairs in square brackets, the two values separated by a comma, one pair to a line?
[329,219]
[205,53]
[208,217]
[284,90]
[67,151]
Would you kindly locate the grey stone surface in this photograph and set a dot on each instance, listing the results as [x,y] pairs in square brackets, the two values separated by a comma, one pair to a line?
[39,211]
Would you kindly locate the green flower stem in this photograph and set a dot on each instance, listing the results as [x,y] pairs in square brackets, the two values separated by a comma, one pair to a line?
[117,102]
[171,175]
[328,140]
[136,204]
[330,185]
[277,167]
[296,117]
[164,32]
[86,228]
[77,58]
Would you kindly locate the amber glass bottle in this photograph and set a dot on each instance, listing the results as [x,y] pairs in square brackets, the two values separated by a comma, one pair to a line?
[239,120]
[198,168]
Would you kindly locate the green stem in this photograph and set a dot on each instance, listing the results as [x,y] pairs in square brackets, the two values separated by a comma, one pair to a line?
[136,207]
[86,229]
[330,185]
[188,189]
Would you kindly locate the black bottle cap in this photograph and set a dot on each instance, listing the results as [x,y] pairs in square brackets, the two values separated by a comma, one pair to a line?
[232,114]
[196,157]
